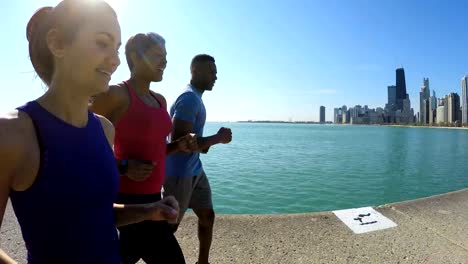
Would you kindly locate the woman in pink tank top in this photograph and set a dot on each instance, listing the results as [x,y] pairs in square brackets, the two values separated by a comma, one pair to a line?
[142,125]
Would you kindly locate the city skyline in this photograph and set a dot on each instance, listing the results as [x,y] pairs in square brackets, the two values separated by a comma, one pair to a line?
[450,109]
[278,61]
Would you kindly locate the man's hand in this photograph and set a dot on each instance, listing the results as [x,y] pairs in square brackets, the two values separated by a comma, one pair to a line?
[224,135]
[205,150]
[187,143]
[139,170]
[166,209]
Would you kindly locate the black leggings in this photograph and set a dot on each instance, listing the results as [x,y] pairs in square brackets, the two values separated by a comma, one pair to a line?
[152,241]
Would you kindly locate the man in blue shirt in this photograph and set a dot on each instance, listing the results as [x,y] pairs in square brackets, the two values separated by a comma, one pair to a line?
[185,178]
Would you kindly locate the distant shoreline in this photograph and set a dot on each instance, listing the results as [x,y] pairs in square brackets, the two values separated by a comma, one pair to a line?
[443,127]
[331,123]
[287,122]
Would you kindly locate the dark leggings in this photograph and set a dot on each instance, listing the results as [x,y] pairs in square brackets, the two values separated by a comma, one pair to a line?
[152,241]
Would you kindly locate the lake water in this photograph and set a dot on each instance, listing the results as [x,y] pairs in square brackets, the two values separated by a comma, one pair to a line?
[293,168]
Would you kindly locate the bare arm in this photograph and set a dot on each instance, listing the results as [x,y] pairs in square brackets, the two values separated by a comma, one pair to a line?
[111,104]
[10,155]
[166,209]
[172,148]
[185,144]
[181,128]
[5,259]
[4,191]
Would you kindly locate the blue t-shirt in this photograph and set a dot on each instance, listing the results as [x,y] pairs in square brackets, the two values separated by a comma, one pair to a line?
[188,107]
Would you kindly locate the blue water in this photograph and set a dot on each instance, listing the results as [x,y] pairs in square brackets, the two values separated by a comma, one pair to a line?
[292,168]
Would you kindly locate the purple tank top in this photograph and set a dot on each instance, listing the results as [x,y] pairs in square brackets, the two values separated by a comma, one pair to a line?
[67,215]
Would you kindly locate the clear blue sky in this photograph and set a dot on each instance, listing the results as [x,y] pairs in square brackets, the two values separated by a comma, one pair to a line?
[276,59]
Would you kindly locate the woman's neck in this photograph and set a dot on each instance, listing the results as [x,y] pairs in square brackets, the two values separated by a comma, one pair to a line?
[63,103]
[141,87]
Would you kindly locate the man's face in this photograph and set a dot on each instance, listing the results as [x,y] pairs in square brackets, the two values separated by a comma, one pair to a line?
[204,74]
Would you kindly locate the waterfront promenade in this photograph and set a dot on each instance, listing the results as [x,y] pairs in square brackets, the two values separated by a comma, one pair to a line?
[430,230]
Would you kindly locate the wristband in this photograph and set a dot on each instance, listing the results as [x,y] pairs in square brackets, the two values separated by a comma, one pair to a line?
[123,166]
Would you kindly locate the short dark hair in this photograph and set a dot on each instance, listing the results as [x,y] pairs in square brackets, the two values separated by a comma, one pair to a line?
[201,58]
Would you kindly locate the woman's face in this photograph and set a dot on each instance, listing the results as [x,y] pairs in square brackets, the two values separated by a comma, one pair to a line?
[152,63]
[92,57]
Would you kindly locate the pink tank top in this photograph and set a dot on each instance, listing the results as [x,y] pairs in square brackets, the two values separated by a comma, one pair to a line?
[141,135]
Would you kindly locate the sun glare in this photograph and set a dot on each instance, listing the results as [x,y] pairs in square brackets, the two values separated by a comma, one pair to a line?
[117,4]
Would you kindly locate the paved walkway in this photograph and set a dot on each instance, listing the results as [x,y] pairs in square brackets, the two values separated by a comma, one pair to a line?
[430,230]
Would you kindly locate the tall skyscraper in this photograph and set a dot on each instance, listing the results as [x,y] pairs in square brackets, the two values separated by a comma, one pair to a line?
[424,94]
[346,117]
[344,108]
[337,116]
[391,95]
[322,114]
[400,87]
[453,100]
[446,109]
[441,114]
[353,112]
[398,108]
[464,99]
[426,83]
[442,110]
[432,109]
[426,111]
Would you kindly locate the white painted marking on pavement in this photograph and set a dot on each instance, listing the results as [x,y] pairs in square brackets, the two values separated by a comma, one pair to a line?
[363,220]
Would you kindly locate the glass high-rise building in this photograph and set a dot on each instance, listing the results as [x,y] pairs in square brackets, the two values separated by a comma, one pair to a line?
[432,108]
[391,95]
[424,94]
[322,114]
[464,99]
[400,87]
[453,101]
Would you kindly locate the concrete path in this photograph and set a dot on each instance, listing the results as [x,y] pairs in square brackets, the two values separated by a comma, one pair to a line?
[431,230]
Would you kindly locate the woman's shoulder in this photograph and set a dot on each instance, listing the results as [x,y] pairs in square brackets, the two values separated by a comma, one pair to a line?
[115,94]
[108,128]
[17,140]
[16,129]
[112,103]
[160,98]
